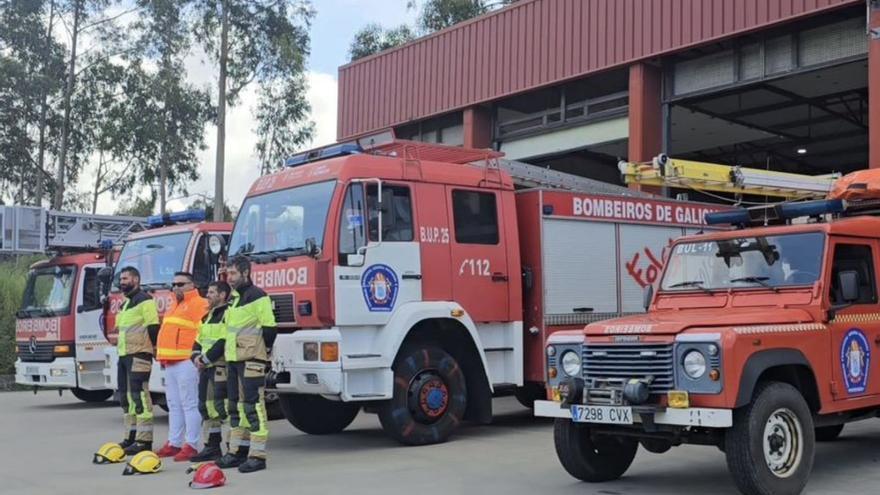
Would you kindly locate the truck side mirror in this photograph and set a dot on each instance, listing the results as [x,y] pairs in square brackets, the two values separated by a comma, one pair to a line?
[848,282]
[105,275]
[648,297]
[355,259]
[312,248]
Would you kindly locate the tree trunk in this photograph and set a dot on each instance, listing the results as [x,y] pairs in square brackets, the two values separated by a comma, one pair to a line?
[65,127]
[221,116]
[41,160]
[98,180]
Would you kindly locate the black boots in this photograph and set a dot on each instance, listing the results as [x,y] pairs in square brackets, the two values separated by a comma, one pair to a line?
[251,465]
[138,447]
[230,460]
[212,451]
[128,442]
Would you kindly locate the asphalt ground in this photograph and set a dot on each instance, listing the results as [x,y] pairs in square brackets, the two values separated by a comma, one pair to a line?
[46,446]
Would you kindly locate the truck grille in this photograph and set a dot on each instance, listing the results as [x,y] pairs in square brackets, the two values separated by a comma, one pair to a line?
[282,306]
[43,352]
[612,362]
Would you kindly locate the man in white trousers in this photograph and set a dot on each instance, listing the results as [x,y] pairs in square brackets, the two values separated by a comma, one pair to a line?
[180,326]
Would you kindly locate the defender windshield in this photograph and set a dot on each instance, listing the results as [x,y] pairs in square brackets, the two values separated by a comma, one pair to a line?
[157,258]
[49,291]
[282,221]
[745,262]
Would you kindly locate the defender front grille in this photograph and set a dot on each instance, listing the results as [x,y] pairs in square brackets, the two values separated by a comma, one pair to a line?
[604,363]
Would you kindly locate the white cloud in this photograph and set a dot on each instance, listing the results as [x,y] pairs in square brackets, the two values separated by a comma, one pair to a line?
[241,165]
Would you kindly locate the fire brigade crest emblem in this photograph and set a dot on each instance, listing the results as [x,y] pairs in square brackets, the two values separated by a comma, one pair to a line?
[855,359]
[380,286]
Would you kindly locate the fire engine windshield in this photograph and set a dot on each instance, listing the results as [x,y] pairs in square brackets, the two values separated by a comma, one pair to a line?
[157,258]
[48,291]
[747,262]
[281,222]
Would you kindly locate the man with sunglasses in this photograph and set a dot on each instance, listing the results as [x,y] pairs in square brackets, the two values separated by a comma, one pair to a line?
[180,327]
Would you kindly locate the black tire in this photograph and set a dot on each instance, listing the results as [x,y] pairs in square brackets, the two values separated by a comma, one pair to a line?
[91,395]
[777,413]
[828,433]
[430,397]
[529,393]
[316,415]
[594,460]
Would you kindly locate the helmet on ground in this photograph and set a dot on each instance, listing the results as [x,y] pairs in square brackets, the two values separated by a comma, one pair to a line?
[145,462]
[109,453]
[208,475]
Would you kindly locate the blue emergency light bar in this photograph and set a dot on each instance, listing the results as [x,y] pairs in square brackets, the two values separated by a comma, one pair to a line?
[185,216]
[776,213]
[333,151]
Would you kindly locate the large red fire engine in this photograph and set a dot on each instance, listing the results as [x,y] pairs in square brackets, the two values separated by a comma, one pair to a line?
[58,330]
[414,281]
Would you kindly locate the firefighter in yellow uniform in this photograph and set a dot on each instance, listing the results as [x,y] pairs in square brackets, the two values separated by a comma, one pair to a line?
[138,325]
[251,331]
[208,356]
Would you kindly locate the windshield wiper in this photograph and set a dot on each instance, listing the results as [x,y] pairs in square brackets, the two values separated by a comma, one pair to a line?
[691,283]
[278,253]
[756,280]
[156,285]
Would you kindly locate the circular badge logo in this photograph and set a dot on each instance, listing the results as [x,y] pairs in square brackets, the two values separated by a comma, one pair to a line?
[379,284]
[855,360]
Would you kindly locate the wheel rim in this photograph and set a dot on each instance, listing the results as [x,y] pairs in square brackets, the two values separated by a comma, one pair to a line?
[783,443]
[428,397]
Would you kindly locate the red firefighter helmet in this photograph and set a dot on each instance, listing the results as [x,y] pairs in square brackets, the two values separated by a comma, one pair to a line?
[208,475]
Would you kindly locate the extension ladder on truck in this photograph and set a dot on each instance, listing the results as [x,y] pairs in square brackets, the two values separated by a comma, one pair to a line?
[31,229]
[702,177]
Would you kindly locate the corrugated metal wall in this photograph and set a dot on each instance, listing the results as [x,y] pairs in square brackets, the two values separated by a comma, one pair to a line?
[536,43]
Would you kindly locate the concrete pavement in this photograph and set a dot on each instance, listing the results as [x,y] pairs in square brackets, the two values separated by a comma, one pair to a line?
[46,446]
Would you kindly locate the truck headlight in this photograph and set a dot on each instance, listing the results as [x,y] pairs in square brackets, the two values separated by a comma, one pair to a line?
[694,364]
[571,363]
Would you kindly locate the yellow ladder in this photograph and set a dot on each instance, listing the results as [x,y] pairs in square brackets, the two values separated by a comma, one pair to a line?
[734,179]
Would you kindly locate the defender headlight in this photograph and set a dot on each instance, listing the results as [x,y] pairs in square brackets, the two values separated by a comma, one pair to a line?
[571,363]
[694,364]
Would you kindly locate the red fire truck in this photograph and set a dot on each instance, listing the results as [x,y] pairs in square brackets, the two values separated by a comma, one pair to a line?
[175,242]
[414,281]
[58,330]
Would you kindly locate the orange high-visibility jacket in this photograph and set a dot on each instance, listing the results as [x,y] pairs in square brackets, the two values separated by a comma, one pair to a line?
[180,326]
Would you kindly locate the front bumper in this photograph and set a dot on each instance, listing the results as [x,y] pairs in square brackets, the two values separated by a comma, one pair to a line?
[60,373]
[692,416]
[296,375]
[349,378]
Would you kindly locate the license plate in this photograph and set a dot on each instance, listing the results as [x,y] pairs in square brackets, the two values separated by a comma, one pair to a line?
[31,370]
[602,414]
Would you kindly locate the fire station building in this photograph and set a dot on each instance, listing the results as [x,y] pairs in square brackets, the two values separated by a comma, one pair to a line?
[576,85]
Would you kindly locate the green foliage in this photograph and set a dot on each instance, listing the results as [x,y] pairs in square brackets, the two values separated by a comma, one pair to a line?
[264,42]
[433,15]
[13,276]
[374,39]
[137,207]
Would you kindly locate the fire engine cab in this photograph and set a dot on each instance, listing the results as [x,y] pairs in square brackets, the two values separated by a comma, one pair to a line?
[414,281]
[760,341]
[59,333]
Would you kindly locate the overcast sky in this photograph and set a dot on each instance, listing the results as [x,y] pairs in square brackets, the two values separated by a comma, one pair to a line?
[333,27]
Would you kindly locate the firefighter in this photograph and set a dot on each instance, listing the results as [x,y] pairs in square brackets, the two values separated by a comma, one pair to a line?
[174,349]
[138,327]
[250,334]
[208,356]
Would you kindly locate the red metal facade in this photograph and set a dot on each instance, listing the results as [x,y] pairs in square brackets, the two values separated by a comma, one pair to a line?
[536,43]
